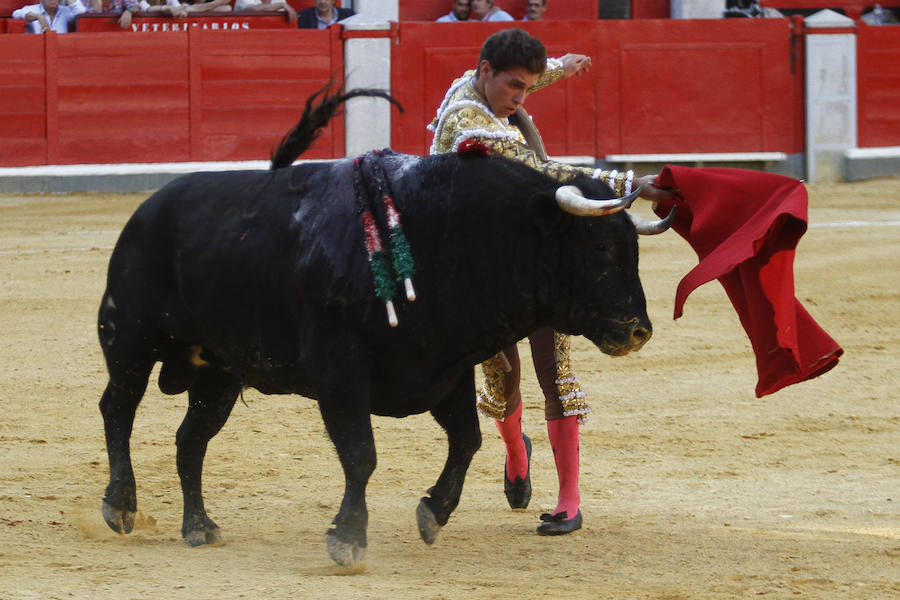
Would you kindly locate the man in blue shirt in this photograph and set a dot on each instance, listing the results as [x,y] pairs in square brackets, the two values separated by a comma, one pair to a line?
[459,13]
[484,10]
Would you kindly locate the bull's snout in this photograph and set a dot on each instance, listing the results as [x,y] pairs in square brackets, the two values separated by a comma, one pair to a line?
[640,335]
[625,337]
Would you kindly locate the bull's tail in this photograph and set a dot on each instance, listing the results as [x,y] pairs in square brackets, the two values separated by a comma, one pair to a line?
[316,116]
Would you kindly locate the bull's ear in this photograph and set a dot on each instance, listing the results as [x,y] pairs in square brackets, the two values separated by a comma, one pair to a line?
[546,215]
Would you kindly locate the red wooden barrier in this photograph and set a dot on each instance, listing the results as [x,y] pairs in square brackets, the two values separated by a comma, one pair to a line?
[15,25]
[650,9]
[878,85]
[23,97]
[656,86]
[734,86]
[174,96]
[247,92]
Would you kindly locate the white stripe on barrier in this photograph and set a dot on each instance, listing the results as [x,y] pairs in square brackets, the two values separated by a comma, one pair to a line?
[139,168]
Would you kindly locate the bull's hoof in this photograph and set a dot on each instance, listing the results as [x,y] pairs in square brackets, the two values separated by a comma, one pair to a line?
[120,521]
[351,554]
[204,537]
[428,524]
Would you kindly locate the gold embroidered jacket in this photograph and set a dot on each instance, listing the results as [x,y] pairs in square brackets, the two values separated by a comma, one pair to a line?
[465,114]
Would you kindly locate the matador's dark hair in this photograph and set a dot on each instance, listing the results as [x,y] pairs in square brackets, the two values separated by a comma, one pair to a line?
[513,48]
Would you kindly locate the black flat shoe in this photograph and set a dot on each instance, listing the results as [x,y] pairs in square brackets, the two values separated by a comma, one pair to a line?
[518,492]
[558,524]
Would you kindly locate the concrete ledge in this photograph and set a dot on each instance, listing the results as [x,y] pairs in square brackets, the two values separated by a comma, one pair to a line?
[117,179]
[791,165]
[148,177]
[868,163]
[59,184]
[137,177]
[698,157]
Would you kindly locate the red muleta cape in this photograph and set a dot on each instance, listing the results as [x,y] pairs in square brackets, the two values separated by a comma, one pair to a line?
[744,226]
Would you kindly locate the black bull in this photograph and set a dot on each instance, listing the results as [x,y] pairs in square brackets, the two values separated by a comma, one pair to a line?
[261,279]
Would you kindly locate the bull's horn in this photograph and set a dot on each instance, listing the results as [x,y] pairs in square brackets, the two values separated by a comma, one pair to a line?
[645,227]
[571,200]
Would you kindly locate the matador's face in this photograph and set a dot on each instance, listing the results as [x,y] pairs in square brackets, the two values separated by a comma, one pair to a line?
[505,91]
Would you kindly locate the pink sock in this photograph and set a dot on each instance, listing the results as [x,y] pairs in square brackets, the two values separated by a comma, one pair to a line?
[563,435]
[510,430]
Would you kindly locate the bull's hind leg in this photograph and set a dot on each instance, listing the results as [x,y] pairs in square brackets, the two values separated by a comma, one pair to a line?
[210,400]
[456,414]
[127,383]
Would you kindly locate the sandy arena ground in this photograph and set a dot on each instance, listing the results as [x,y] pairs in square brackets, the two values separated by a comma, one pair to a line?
[692,488]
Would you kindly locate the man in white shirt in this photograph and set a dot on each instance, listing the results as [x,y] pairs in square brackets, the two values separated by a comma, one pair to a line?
[50,16]
[484,10]
[459,13]
[272,6]
[175,8]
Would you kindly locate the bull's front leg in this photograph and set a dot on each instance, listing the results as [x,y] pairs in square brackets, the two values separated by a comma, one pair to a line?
[457,415]
[349,426]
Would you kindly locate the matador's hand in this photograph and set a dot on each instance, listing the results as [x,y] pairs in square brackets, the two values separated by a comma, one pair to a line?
[575,64]
[650,189]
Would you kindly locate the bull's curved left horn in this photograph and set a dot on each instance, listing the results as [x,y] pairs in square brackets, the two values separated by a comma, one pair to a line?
[571,200]
[646,227]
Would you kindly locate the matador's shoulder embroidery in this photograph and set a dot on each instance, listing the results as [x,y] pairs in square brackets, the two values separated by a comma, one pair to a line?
[462,115]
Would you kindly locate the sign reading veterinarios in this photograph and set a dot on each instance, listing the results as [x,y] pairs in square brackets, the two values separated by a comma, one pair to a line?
[224,22]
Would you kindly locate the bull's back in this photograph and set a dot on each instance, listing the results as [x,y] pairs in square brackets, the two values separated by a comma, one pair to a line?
[196,222]
[209,260]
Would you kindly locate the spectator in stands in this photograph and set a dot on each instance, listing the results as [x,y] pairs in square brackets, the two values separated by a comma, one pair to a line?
[206,6]
[534,10]
[270,6]
[175,8]
[460,12]
[879,16]
[484,10]
[49,15]
[323,14]
[124,8]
